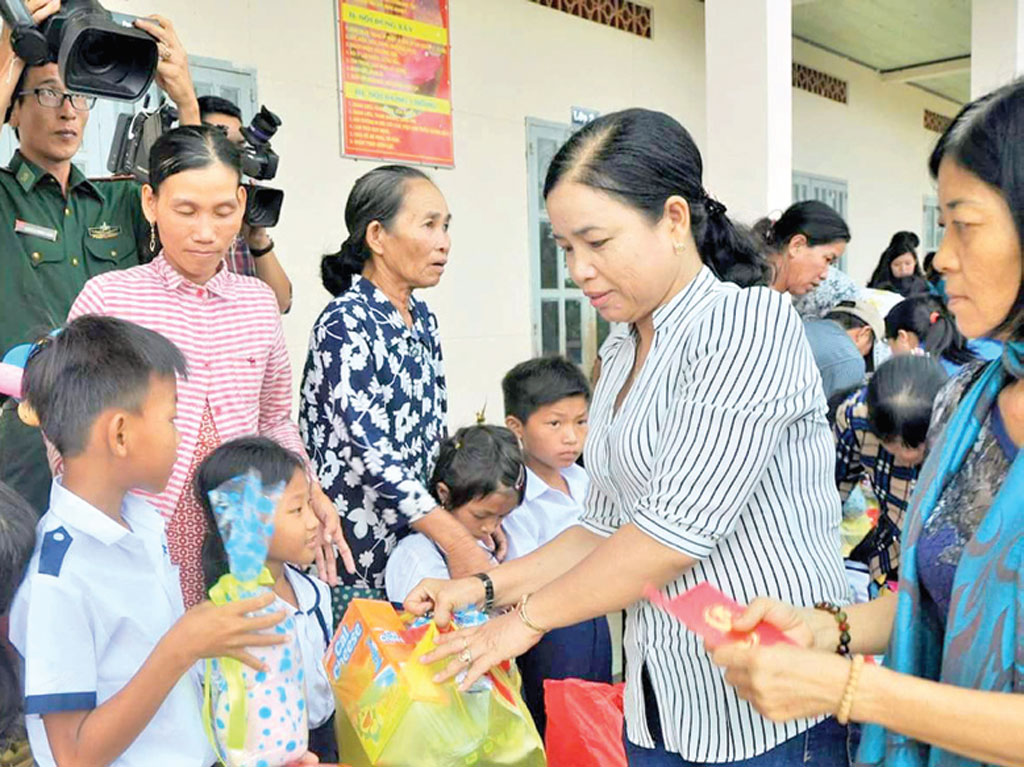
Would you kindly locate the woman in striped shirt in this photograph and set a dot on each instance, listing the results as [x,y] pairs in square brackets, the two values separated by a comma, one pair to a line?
[228,326]
[951,691]
[709,452]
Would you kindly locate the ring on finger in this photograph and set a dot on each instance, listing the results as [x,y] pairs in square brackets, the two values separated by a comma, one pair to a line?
[165,52]
[466,656]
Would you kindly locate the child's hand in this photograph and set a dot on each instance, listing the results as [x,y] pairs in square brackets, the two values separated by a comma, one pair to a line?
[211,631]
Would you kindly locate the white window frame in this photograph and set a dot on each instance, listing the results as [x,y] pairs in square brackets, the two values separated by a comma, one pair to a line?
[564,292]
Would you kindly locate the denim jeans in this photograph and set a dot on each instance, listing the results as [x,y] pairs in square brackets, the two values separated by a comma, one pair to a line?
[827,744]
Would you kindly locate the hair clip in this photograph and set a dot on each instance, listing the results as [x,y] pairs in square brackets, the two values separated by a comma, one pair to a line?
[934,317]
[521,479]
[713,206]
[481,415]
[12,375]
[458,444]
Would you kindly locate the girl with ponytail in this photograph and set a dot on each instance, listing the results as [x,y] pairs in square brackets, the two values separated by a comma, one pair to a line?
[923,322]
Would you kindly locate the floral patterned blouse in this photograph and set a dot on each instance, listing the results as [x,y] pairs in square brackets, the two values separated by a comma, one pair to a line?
[372,415]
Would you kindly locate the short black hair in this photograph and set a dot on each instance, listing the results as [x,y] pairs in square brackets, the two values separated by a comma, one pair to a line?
[217,105]
[900,397]
[93,364]
[477,461]
[20,85]
[542,381]
[17,539]
[233,459]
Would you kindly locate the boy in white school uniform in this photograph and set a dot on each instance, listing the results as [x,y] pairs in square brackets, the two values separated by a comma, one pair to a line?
[110,658]
[546,406]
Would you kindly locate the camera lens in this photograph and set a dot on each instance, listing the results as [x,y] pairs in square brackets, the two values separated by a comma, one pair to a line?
[96,57]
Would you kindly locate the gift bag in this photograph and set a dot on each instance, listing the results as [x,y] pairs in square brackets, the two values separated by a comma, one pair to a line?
[390,713]
[584,723]
[253,718]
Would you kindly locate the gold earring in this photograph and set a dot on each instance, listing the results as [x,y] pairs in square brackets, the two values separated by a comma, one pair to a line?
[152,238]
[679,248]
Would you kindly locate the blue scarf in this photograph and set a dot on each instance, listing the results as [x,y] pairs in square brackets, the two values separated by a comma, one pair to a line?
[983,648]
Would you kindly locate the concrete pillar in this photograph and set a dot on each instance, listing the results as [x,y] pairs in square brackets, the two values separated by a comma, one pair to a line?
[997,43]
[748,159]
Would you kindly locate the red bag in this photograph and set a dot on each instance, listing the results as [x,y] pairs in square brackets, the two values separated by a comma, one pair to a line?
[584,723]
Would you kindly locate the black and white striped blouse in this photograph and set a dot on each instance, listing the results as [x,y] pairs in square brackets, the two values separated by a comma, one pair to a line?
[721,450]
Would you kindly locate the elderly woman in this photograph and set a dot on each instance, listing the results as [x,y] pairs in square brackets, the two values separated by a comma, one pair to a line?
[374,399]
[228,327]
[709,452]
[950,690]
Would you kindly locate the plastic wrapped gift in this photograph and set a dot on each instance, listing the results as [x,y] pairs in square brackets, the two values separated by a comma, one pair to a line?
[254,718]
[390,712]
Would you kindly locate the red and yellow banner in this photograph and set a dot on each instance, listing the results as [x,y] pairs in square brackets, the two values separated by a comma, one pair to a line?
[396,80]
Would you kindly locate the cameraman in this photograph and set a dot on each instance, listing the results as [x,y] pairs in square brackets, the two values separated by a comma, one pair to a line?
[58,228]
[253,252]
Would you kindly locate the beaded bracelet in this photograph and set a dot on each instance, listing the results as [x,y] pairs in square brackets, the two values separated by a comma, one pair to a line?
[846,704]
[837,612]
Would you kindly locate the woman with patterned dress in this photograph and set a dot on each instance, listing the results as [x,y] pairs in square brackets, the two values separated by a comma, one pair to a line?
[950,690]
[228,327]
[374,400]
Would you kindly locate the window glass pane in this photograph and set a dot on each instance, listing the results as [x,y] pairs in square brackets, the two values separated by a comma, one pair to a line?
[549,331]
[549,256]
[546,150]
[573,331]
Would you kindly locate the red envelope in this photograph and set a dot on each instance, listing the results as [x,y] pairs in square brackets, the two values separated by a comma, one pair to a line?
[708,612]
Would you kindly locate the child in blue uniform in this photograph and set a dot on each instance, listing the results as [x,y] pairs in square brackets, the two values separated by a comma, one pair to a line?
[546,406]
[292,546]
[479,478]
[109,653]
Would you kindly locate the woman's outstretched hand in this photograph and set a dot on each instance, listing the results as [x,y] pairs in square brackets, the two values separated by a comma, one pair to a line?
[477,650]
[443,598]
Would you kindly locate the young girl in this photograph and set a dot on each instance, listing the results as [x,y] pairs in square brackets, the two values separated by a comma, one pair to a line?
[924,322]
[291,547]
[479,478]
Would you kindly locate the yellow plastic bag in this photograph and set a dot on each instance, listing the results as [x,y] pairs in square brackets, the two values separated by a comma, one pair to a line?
[390,713]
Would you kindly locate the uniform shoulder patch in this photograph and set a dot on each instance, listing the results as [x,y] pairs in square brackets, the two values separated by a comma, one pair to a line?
[51,554]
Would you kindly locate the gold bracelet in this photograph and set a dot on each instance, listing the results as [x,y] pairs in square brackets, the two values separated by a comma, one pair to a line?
[521,610]
[846,704]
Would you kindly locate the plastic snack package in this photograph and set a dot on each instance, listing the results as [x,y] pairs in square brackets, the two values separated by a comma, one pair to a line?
[390,712]
[253,718]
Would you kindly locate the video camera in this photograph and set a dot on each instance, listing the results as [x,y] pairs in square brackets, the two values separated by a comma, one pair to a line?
[259,162]
[136,134]
[95,55]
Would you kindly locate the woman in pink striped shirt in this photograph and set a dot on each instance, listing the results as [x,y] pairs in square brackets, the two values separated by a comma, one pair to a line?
[228,326]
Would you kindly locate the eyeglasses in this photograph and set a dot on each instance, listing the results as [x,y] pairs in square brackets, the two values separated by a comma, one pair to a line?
[48,97]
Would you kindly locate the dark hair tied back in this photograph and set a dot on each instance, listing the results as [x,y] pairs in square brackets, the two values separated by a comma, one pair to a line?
[642,158]
[191,147]
[816,221]
[987,140]
[376,196]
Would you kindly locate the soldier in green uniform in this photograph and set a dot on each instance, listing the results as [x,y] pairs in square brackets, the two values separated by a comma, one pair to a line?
[58,228]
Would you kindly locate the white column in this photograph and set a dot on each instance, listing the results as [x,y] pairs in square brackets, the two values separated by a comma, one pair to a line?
[748,159]
[997,43]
